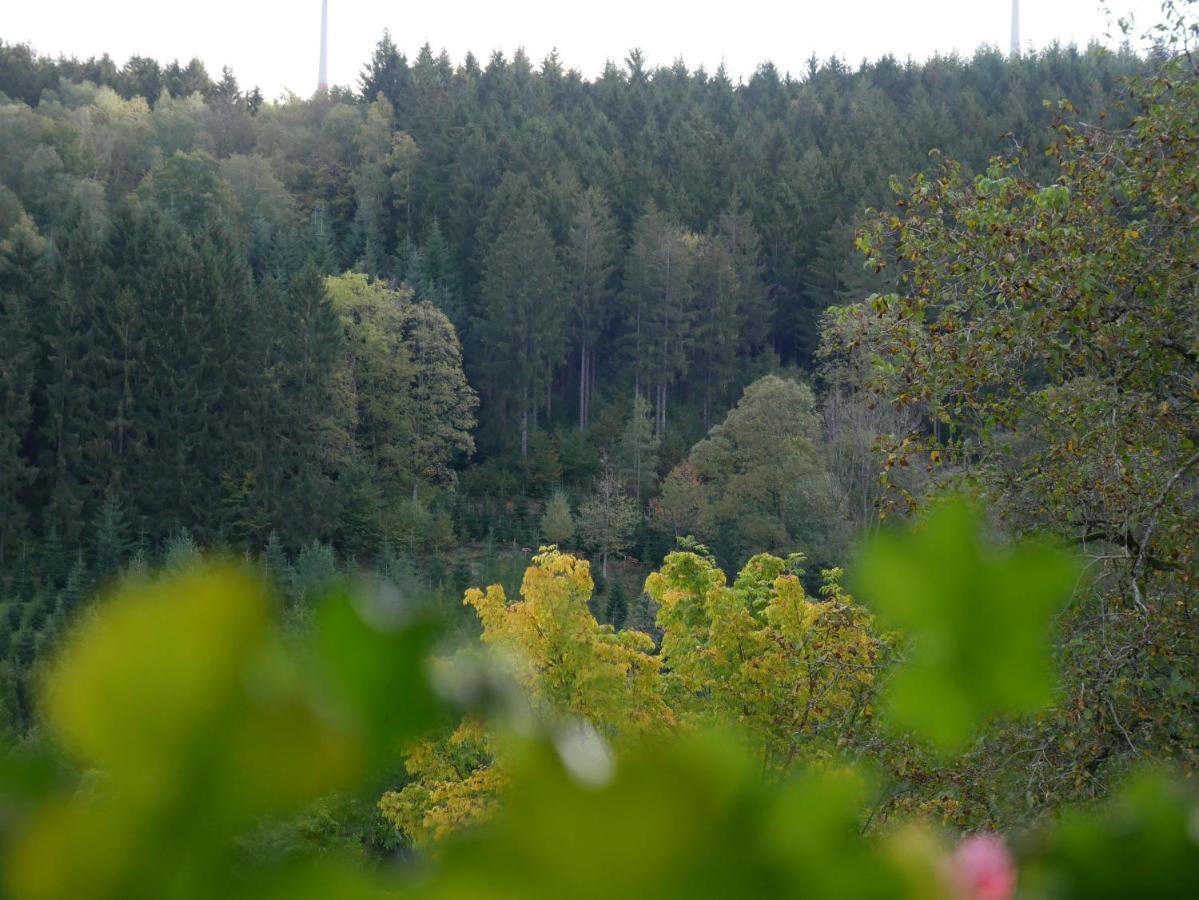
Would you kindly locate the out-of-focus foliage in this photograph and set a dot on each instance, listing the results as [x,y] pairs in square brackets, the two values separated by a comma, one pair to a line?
[1140,843]
[184,725]
[693,820]
[980,596]
[190,721]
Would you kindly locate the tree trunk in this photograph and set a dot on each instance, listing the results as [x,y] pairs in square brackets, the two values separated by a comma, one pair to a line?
[590,384]
[583,387]
[524,425]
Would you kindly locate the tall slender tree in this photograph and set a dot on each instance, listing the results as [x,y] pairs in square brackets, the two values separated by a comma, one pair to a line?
[519,332]
[590,266]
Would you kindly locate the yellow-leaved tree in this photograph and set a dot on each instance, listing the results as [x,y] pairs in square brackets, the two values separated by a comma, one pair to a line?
[568,665]
[794,673]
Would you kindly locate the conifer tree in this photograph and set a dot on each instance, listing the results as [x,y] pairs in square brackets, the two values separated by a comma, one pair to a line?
[659,300]
[617,607]
[25,648]
[637,453]
[275,561]
[590,266]
[521,319]
[76,586]
[18,254]
[110,528]
[386,73]
[718,325]
[557,523]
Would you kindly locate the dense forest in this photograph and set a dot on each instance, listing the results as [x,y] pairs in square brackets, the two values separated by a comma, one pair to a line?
[647,367]
[178,361]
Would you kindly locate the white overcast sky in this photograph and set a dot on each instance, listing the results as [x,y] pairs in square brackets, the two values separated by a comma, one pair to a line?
[274,43]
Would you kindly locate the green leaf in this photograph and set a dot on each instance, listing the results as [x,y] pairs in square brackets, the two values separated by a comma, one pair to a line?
[372,654]
[978,618]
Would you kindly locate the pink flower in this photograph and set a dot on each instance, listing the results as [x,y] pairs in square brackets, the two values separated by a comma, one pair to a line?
[981,868]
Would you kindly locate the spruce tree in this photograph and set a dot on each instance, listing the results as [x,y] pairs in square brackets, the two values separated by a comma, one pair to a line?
[77,585]
[386,73]
[637,452]
[24,648]
[617,608]
[275,560]
[607,519]
[659,300]
[54,558]
[18,255]
[111,542]
[590,266]
[519,330]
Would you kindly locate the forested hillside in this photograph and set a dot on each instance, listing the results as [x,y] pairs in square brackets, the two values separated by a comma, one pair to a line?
[389,322]
[175,360]
[489,482]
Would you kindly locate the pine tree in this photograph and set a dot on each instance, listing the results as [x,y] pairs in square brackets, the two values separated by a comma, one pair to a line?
[77,585]
[737,235]
[181,551]
[304,428]
[24,583]
[607,519]
[386,73]
[315,571]
[25,648]
[54,559]
[718,325]
[274,558]
[375,216]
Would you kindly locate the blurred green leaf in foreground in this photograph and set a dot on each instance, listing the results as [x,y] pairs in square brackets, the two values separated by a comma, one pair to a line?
[188,722]
[193,722]
[978,619]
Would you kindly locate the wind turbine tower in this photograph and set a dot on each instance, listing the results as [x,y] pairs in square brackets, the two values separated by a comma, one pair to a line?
[322,80]
[1015,27]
